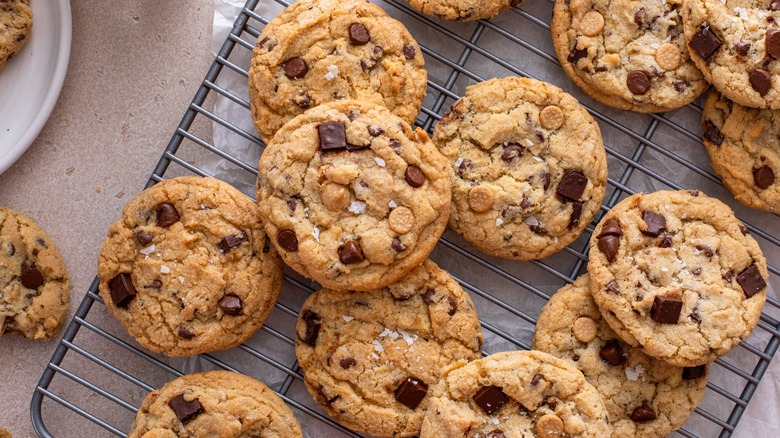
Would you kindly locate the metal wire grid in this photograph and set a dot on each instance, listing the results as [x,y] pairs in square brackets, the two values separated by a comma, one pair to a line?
[508,306]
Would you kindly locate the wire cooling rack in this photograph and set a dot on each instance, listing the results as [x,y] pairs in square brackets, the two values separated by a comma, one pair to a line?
[84,393]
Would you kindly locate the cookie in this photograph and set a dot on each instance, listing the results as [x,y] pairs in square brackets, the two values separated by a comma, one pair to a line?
[520,190]
[15,24]
[735,46]
[513,394]
[464,10]
[188,269]
[319,51]
[645,397]
[369,358]
[676,273]
[629,55]
[744,149]
[351,196]
[214,404]
[5,434]
[33,281]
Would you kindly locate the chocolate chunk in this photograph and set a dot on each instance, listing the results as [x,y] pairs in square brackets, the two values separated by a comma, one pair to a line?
[231,304]
[166,215]
[774,5]
[743,229]
[535,379]
[695,314]
[575,358]
[312,321]
[287,240]
[763,177]
[414,176]
[409,51]
[122,290]
[295,68]
[546,179]
[261,43]
[497,433]
[612,286]
[144,237]
[525,203]
[704,43]
[358,34]
[10,249]
[708,252]
[761,81]
[351,253]
[696,271]
[751,280]
[609,246]
[41,242]
[375,130]
[292,204]
[397,245]
[666,309]
[638,82]
[693,193]
[572,185]
[643,413]
[395,145]
[353,148]
[31,277]
[576,212]
[232,241]
[411,392]
[656,224]
[428,295]
[639,17]
[772,43]
[453,305]
[185,410]
[512,150]
[612,352]
[333,136]
[347,362]
[538,230]
[155,284]
[690,373]
[304,101]
[611,228]
[728,276]
[666,242]
[679,86]
[550,402]
[742,48]
[490,399]
[576,54]
[185,332]
[712,133]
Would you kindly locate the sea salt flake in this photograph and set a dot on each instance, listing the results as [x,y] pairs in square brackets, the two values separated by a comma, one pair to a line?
[494,421]
[458,162]
[357,207]
[654,45]
[408,337]
[532,221]
[537,159]
[632,374]
[316,233]
[667,40]
[380,162]
[164,269]
[499,221]
[392,204]
[375,356]
[148,250]
[378,346]
[347,318]
[181,279]
[664,269]
[528,143]
[333,71]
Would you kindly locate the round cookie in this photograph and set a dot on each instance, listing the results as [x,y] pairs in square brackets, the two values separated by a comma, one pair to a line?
[676,273]
[214,404]
[516,393]
[744,148]
[369,358]
[351,196]
[187,269]
[318,51]
[15,24]
[645,397]
[464,10]
[735,46]
[520,190]
[626,54]
[33,281]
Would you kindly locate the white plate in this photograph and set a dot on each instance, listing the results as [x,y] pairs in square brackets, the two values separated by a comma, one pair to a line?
[31,82]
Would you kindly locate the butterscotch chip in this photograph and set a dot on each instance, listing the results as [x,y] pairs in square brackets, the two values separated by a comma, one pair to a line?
[551,117]
[585,329]
[401,220]
[591,24]
[481,198]
[549,426]
[668,56]
[335,197]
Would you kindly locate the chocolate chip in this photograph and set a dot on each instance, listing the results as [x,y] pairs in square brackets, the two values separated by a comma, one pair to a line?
[572,185]
[144,237]
[666,242]
[695,314]
[411,392]
[538,230]
[643,413]
[347,362]
[351,253]
[535,379]
[712,133]
[397,245]
[575,358]
[612,286]
[428,295]
[612,352]
[166,215]
[287,240]
[550,402]
[743,229]
[772,43]
[609,246]
[497,433]
[751,280]
[31,277]
[774,5]
[512,150]
[679,86]
[704,43]
[10,249]
[155,284]
[292,204]
[465,165]
[763,177]
[666,309]
[185,410]
[333,136]
[409,51]
[395,145]
[728,276]
[295,68]
[546,179]
[656,224]
[690,373]
[122,290]
[576,54]
[490,399]
[376,131]
[708,252]
[312,321]
[525,203]
[414,176]
[453,305]
[742,48]
[761,81]
[696,271]
[35,252]
[304,101]
[353,148]
[611,227]
[261,43]
[185,332]
[232,241]
[576,212]
[231,304]
[638,82]
[639,16]
[358,34]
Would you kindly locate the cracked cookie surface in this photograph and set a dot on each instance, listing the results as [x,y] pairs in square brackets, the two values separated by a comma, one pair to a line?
[517,393]
[464,10]
[318,51]
[214,404]
[369,358]
[520,190]
[676,273]
[351,196]
[15,24]
[645,397]
[744,148]
[34,284]
[627,54]
[187,269]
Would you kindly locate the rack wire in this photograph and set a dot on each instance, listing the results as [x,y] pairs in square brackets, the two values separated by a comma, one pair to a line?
[83,393]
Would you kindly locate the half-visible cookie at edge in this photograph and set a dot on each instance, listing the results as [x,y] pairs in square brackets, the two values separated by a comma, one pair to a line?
[464,10]
[15,24]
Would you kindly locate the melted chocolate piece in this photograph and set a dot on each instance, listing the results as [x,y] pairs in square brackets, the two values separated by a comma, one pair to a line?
[287,240]
[351,253]
[185,410]
[576,212]
[656,224]
[347,362]
[704,43]
[609,246]
[358,34]
[751,280]
[185,332]
[122,290]
[231,304]
[31,277]
[397,245]
[232,241]
[576,54]
[712,133]
[690,373]
[166,215]
[572,185]
[312,321]
[411,392]
[512,150]
[763,177]
[666,309]
[409,51]
[761,81]
[144,237]
[638,82]
[295,68]
[772,42]
[333,136]
[742,48]
[490,399]
[612,352]
[643,413]
[414,176]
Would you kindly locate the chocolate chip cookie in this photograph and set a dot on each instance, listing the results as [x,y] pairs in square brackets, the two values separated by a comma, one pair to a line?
[744,146]
[318,51]
[15,24]
[517,393]
[214,404]
[464,10]
[369,358]
[188,269]
[627,54]
[735,45]
[520,190]
[33,280]
[676,273]
[351,196]
[645,397]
